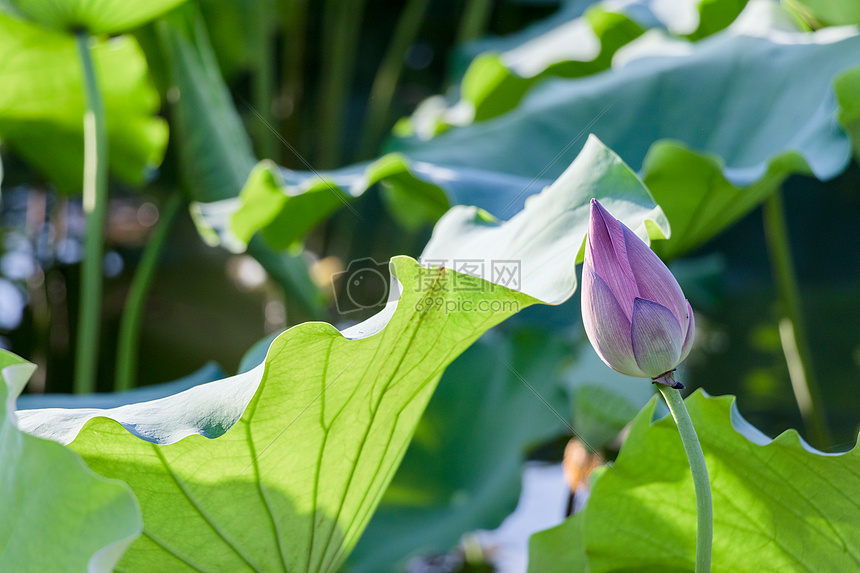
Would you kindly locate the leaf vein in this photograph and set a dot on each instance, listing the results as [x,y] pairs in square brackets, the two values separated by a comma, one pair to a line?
[181,487]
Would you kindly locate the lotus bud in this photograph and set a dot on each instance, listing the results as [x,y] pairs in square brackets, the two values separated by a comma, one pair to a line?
[634,312]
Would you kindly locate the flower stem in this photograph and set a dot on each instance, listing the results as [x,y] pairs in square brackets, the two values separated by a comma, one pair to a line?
[294,24]
[262,89]
[129,329]
[95,208]
[473,22]
[342,29]
[385,82]
[792,330]
[704,508]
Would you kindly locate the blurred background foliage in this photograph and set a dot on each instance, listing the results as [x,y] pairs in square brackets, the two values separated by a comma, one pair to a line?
[425,104]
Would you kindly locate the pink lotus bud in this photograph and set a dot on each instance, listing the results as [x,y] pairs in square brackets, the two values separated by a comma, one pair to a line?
[634,312]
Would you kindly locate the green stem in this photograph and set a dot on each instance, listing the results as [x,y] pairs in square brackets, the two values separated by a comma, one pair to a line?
[294,18]
[385,82]
[264,83]
[473,24]
[704,507]
[792,330]
[95,208]
[342,21]
[129,329]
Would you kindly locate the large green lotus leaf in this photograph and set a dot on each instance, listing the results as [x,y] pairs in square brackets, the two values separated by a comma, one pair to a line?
[463,468]
[283,205]
[287,212]
[57,514]
[498,78]
[779,505]
[495,83]
[282,467]
[712,131]
[696,194]
[94,16]
[684,18]
[42,103]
